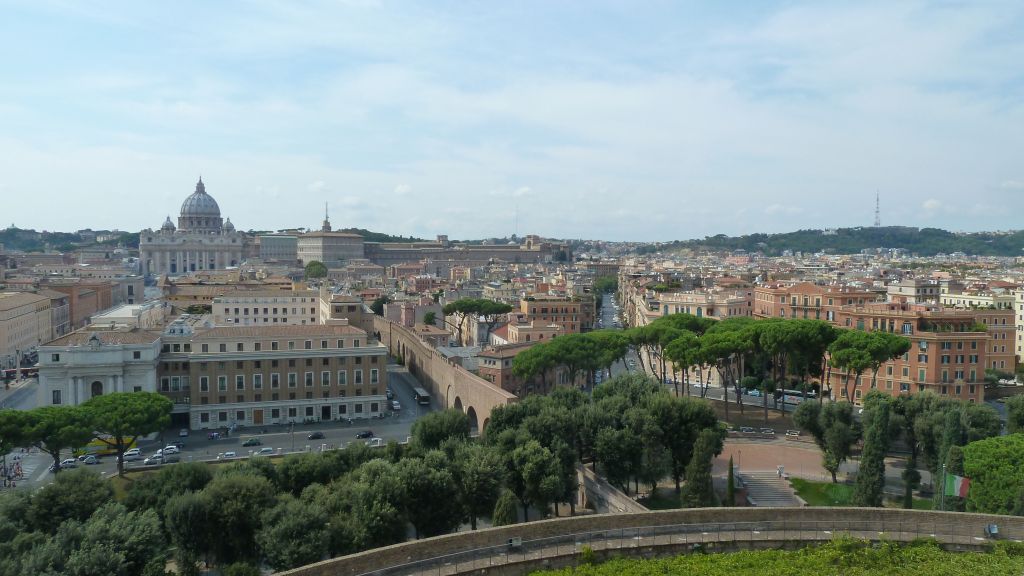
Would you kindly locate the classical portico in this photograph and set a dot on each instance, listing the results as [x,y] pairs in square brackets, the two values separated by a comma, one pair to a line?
[202,240]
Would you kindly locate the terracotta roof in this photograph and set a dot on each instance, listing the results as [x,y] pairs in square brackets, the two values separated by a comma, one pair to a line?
[107,337]
[506,350]
[281,331]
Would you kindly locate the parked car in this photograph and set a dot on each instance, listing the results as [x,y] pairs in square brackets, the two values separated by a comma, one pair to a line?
[396,405]
[755,393]
[792,432]
[132,454]
[228,454]
[768,431]
[183,432]
[265,451]
[747,430]
[68,463]
[365,434]
[389,394]
[90,460]
[169,449]
[315,436]
[153,460]
[254,441]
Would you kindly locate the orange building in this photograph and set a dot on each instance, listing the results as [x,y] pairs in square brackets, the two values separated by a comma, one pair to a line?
[544,310]
[806,300]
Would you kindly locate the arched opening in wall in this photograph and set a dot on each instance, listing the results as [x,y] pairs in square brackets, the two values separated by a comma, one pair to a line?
[484,427]
[458,404]
[474,427]
[97,388]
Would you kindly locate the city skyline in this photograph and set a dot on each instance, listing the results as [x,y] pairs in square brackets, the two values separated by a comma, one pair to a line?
[603,122]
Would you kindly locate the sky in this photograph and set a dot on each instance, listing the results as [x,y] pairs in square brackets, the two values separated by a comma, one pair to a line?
[597,120]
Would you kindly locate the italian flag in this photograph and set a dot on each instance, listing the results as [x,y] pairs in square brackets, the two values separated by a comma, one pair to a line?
[957,485]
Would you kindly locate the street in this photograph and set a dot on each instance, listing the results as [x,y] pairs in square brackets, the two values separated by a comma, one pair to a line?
[284,439]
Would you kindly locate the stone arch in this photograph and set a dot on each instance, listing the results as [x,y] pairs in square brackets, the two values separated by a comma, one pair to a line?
[457,404]
[484,426]
[96,389]
[474,427]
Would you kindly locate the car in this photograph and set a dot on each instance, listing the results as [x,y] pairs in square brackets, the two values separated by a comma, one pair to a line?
[254,441]
[396,405]
[315,436]
[755,393]
[153,460]
[90,460]
[389,394]
[747,430]
[265,451]
[68,463]
[792,432]
[132,455]
[183,433]
[768,431]
[228,454]
[365,434]
[169,449]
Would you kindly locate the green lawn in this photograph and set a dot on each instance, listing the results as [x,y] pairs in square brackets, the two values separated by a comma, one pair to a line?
[829,494]
[822,493]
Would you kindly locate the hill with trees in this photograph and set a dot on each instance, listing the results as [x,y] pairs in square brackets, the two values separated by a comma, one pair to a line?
[922,241]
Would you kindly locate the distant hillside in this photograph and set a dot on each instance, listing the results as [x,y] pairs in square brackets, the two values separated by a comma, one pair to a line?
[922,241]
[380,236]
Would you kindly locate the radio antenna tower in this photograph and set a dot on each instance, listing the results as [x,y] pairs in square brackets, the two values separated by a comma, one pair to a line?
[878,212]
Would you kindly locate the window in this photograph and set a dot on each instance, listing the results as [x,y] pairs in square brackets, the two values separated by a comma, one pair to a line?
[204,417]
[273,345]
[258,346]
[341,343]
[257,381]
[342,378]
[374,376]
[56,395]
[308,345]
[165,384]
[358,377]
[223,347]
[309,411]
[323,344]
[355,343]
[325,378]
[136,355]
[222,383]
[920,375]
[275,380]
[309,379]
[275,413]
[293,379]
[206,348]
[222,416]
[204,383]
[239,382]
[240,416]
[292,412]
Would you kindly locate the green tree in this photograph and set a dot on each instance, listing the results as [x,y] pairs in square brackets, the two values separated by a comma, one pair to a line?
[540,477]
[432,498]
[315,269]
[236,503]
[505,509]
[478,474]
[152,491]
[832,427]
[134,538]
[1015,414]
[699,491]
[996,469]
[188,523]
[430,431]
[71,496]
[619,452]
[871,473]
[119,419]
[377,307]
[293,534]
[430,318]
[606,284]
[56,428]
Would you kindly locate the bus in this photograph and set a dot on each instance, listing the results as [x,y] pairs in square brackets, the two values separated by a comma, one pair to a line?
[792,396]
[98,447]
[421,395]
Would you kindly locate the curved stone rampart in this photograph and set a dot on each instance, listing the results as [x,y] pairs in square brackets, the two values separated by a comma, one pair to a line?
[520,548]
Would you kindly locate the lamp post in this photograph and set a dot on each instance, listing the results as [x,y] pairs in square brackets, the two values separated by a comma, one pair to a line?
[291,430]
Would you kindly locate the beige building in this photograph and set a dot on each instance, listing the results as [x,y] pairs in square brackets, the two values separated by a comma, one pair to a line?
[202,240]
[261,308]
[25,323]
[333,249]
[272,374]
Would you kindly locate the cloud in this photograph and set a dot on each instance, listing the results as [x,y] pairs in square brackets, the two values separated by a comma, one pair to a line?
[773,209]
[1012,185]
[402,190]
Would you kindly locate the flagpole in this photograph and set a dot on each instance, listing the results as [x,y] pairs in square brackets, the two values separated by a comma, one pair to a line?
[942,501]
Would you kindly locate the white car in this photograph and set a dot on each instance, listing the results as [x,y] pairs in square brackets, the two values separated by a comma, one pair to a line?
[396,405]
[68,463]
[132,454]
[172,449]
[183,432]
[265,451]
[154,459]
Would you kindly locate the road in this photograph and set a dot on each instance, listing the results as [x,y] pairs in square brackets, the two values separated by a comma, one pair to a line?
[283,439]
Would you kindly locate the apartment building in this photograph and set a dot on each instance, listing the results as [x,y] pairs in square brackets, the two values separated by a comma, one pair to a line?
[914,291]
[261,308]
[705,305]
[559,310]
[806,300]
[948,354]
[1002,332]
[495,366]
[261,375]
[25,323]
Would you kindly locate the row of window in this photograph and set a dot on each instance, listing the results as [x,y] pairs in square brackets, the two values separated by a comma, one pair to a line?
[242,416]
[179,383]
[258,364]
[258,346]
[267,311]
[905,387]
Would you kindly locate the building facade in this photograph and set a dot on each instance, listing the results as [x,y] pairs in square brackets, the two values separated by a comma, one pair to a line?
[300,307]
[202,240]
[25,324]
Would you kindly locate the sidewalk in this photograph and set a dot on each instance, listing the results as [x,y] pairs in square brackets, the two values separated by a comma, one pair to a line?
[12,388]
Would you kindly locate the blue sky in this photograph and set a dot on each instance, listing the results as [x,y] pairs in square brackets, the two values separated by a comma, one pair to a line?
[613,120]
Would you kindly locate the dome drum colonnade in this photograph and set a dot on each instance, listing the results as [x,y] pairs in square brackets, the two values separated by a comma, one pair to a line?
[202,240]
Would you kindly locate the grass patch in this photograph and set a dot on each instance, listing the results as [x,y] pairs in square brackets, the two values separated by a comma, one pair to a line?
[662,499]
[822,493]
